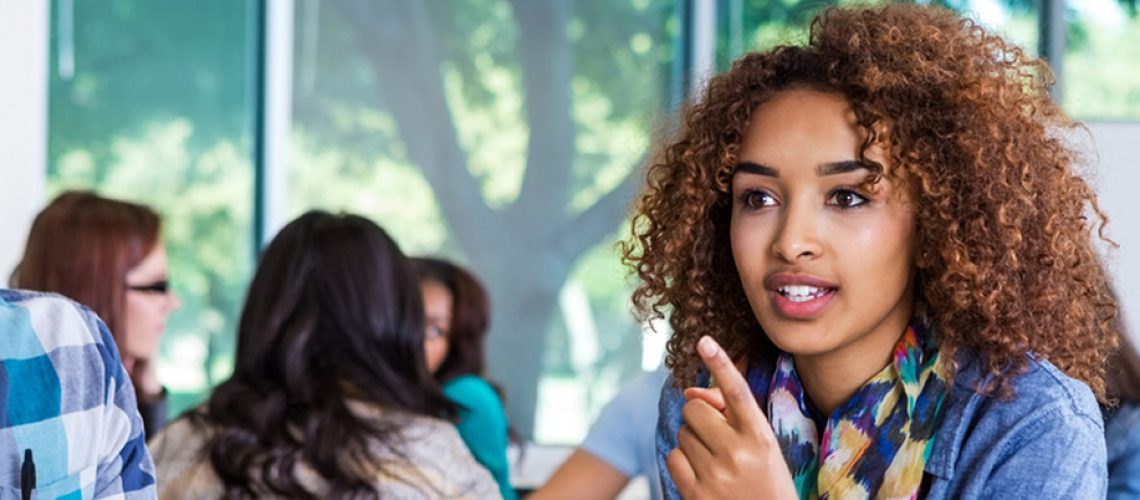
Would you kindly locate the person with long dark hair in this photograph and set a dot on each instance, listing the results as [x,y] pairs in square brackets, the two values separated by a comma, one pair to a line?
[330,395]
[458,316]
[108,255]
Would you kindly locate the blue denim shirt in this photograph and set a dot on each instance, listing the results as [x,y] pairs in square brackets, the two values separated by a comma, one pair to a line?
[1045,442]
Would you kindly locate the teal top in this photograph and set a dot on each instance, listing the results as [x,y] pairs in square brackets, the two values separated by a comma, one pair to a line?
[483,426]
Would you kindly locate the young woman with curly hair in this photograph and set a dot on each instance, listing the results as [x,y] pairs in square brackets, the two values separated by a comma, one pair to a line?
[885,231]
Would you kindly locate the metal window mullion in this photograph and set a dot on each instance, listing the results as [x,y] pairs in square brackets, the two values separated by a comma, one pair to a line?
[1052,39]
[272,120]
[703,48]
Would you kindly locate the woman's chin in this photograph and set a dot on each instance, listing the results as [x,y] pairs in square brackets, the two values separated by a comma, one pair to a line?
[801,341]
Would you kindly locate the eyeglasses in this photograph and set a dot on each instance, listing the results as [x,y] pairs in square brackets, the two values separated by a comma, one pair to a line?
[158,287]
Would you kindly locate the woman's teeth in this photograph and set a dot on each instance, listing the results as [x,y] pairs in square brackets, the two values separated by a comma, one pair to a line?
[802,293]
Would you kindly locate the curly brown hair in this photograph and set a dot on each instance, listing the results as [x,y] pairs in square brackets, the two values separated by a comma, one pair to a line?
[1004,224]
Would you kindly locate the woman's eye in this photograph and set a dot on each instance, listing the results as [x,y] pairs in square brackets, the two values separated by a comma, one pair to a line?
[846,198]
[754,199]
[434,332]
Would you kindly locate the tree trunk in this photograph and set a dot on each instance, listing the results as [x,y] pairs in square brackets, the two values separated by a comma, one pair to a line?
[524,252]
[516,347]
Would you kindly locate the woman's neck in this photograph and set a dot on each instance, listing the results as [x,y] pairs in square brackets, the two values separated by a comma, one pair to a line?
[830,379]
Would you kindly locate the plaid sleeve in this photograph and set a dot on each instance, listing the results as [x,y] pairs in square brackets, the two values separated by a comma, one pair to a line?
[65,396]
[126,470]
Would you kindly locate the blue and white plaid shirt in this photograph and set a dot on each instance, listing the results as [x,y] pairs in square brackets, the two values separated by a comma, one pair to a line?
[65,396]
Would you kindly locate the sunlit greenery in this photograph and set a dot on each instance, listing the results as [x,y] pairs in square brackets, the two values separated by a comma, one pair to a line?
[157,110]
[352,151]
[1102,71]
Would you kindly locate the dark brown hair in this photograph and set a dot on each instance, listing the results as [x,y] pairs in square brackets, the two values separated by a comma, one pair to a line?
[333,313]
[470,317]
[470,322]
[1004,221]
[82,245]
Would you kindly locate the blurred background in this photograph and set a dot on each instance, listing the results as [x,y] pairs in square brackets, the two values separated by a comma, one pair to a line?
[505,134]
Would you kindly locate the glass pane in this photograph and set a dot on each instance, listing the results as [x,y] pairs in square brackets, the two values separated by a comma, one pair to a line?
[1015,20]
[501,134]
[1102,60]
[747,25]
[150,102]
[752,25]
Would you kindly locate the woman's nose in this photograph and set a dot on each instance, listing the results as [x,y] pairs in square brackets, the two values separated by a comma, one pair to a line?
[798,238]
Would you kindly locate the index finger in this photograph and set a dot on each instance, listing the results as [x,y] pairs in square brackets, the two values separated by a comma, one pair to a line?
[740,405]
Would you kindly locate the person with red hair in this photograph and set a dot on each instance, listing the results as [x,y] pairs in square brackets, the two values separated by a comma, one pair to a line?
[108,255]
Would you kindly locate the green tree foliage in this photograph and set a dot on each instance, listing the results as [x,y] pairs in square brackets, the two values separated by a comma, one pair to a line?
[527,121]
[1102,70]
[157,109]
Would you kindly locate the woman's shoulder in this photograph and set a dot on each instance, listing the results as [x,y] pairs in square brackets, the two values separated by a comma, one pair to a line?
[429,457]
[471,390]
[182,466]
[423,435]
[469,383]
[1042,390]
[180,440]
[1045,437]
[435,457]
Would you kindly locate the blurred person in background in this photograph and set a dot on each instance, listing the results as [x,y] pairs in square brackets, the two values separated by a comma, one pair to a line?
[458,314]
[70,428]
[1122,423]
[619,447]
[108,255]
[330,395]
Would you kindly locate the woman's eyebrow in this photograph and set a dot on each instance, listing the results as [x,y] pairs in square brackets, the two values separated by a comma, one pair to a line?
[843,167]
[756,169]
[832,168]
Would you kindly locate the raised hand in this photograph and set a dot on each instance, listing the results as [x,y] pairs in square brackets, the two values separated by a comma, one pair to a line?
[726,446]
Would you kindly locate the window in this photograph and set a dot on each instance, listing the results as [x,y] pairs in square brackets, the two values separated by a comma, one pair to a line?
[150,101]
[503,135]
[1097,75]
[1102,60]
[747,25]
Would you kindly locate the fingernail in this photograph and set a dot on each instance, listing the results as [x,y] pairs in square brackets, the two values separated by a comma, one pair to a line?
[707,346]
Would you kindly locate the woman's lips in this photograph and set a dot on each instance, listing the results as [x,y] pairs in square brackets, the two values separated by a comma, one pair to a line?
[799,307]
[799,296]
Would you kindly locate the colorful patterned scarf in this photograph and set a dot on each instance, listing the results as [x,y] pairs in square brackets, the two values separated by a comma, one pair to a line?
[875,444]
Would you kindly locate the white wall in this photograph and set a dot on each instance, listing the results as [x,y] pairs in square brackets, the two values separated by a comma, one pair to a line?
[1118,180]
[23,122]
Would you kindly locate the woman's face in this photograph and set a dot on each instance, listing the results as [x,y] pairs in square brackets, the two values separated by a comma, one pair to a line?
[826,265]
[148,305]
[437,308]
